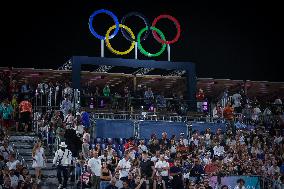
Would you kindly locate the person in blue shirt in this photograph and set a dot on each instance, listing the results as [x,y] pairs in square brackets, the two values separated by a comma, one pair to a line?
[7,112]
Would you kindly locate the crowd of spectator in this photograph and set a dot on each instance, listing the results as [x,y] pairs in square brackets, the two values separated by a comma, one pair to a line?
[167,162]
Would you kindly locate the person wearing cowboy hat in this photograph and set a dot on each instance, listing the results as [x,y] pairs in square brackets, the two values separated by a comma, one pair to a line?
[63,159]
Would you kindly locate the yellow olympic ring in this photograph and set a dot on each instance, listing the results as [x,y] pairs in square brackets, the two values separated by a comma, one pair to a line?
[116,51]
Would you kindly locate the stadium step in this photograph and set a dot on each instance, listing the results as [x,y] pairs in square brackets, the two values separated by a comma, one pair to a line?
[23,143]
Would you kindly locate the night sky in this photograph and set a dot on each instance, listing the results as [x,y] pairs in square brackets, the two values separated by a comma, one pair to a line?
[234,40]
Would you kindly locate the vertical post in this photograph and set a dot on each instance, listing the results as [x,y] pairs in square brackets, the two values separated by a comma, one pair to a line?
[134,83]
[102,48]
[169,52]
[136,52]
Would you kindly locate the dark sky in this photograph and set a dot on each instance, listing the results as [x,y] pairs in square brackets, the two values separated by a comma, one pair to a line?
[231,39]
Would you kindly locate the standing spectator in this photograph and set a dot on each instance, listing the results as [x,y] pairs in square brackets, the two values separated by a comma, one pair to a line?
[38,160]
[16,115]
[6,150]
[224,97]
[7,114]
[106,91]
[58,93]
[95,166]
[67,91]
[63,159]
[25,108]
[65,106]
[105,176]
[237,102]
[147,166]
[149,97]
[162,168]
[25,89]
[255,114]
[85,149]
[13,89]
[200,98]
[123,167]
[176,173]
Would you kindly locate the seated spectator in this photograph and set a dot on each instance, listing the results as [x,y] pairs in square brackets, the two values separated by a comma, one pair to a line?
[12,163]
[6,150]
[112,184]
[218,151]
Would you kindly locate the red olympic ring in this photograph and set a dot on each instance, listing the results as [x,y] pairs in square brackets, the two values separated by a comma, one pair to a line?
[156,36]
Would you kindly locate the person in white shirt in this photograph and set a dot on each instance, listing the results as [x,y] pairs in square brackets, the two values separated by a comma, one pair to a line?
[237,102]
[123,167]
[142,147]
[184,140]
[274,169]
[6,150]
[105,157]
[278,139]
[69,119]
[156,157]
[12,163]
[218,150]
[63,159]
[95,165]
[65,106]
[195,139]
[240,184]
[256,113]
[162,168]
[87,135]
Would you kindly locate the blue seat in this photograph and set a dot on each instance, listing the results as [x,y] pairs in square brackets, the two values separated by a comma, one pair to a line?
[103,146]
[119,153]
[99,140]
[109,140]
[114,145]
[121,141]
[93,146]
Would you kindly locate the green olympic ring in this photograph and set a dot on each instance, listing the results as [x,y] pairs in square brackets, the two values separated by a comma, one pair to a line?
[142,50]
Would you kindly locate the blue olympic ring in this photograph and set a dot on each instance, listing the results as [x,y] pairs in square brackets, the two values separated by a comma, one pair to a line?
[108,13]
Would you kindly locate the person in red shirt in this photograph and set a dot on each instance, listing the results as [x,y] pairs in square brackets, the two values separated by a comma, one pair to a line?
[25,108]
[211,168]
[200,98]
[200,95]
[129,145]
[228,112]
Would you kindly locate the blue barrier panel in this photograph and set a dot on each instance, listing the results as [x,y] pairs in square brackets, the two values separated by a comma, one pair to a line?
[157,127]
[114,128]
[202,126]
[251,182]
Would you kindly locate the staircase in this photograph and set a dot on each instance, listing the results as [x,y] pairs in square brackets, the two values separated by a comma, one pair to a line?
[23,143]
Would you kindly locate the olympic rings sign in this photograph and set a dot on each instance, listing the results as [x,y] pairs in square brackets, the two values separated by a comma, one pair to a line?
[130,36]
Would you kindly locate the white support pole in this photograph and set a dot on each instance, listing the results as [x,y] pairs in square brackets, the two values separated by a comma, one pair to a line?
[169,52]
[102,48]
[136,53]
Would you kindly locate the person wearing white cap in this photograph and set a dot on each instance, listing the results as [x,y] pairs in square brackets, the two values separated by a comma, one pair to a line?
[63,159]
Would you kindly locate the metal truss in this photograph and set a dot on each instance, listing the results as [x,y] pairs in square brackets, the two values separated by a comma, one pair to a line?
[103,69]
[177,73]
[66,66]
[142,71]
